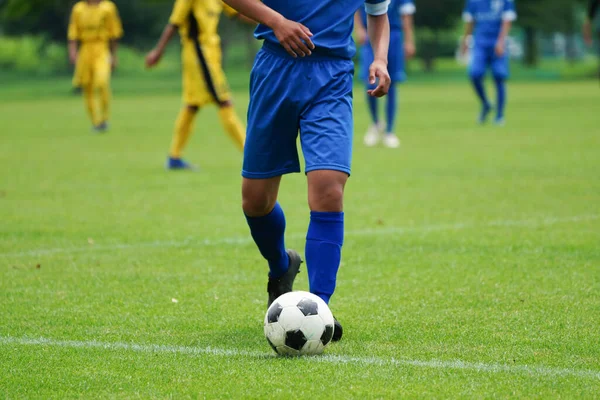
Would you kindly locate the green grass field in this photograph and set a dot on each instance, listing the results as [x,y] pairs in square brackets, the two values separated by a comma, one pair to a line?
[471,265]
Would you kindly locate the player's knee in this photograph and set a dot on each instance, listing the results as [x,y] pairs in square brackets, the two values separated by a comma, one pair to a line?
[259,196]
[326,193]
[500,76]
[476,74]
[226,104]
[257,205]
[192,108]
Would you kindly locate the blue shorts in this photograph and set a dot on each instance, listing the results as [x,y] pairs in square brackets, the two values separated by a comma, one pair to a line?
[485,57]
[396,66]
[311,95]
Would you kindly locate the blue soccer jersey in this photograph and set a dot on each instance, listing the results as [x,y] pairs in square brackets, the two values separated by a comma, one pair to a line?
[331,22]
[488,16]
[396,10]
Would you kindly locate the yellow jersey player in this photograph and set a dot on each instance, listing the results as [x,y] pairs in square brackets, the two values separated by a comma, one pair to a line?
[203,77]
[94,30]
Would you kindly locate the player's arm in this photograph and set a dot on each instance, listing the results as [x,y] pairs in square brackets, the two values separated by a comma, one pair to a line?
[407,12]
[469,21]
[508,16]
[115,33]
[293,36]
[156,54]
[360,30]
[593,7]
[378,28]
[73,37]
[181,11]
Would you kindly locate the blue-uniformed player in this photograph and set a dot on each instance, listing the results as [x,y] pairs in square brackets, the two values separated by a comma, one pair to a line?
[402,46]
[302,82]
[489,21]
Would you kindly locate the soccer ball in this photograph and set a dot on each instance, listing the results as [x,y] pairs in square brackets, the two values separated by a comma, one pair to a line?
[298,323]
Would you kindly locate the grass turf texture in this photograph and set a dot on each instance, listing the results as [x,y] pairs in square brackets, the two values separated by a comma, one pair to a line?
[471,264]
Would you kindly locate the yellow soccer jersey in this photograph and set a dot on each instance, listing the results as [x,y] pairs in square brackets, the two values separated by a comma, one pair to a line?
[199,19]
[95,22]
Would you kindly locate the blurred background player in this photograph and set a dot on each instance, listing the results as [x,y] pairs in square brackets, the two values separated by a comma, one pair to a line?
[94,30]
[204,81]
[489,21]
[402,45]
[591,23]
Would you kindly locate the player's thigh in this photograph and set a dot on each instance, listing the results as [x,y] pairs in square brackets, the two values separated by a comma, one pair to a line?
[500,67]
[102,70]
[216,74]
[478,63]
[272,131]
[326,126]
[194,87]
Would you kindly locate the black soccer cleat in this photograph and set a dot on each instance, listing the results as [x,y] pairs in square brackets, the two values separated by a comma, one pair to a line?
[338,331]
[284,284]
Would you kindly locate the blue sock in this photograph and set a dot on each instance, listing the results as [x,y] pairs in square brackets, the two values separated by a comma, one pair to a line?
[501,93]
[268,234]
[392,104]
[324,251]
[480,90]
[373,106]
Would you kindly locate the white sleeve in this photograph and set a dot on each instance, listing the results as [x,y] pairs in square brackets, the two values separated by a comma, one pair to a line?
[509,16]
[377,8]
[408,9]
[467,17]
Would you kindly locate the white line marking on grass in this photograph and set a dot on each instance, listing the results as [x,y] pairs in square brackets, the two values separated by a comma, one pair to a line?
[532,370]
[246,240]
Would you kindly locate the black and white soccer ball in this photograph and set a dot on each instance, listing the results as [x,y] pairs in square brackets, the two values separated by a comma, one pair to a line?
[299,323]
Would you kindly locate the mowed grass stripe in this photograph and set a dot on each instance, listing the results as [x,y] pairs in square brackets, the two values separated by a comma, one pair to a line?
[526,223]
[531,370]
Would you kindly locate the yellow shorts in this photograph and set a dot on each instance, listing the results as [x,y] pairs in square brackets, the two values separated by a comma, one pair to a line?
[93,66]
[204,81]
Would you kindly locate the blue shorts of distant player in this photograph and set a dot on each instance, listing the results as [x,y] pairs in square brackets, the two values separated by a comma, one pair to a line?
[311,96]
[484,57]
[396,66]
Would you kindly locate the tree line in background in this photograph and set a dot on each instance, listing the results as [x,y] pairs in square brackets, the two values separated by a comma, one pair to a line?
[437,22]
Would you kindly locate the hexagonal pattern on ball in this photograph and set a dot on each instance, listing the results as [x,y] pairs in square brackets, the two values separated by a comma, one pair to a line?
[275,334]
[291,318]
[313,327]
[308,306]
[312,347]
[295,339]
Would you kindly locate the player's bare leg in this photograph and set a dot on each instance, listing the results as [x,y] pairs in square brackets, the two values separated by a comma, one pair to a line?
[267,226]
[325,233]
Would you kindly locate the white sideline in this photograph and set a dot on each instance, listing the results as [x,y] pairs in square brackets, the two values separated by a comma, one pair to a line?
[532,370]
[531,223]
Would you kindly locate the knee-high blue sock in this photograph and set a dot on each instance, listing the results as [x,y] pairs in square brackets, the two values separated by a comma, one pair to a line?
[268,234]
[373,106]
[480,90]
[324,251]
[392,108]
[501,93]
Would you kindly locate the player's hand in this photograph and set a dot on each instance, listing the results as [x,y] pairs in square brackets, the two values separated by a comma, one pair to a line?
[410,49]
[500,48]
[361,37]
[153,58]
[378,71]
[294,37]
